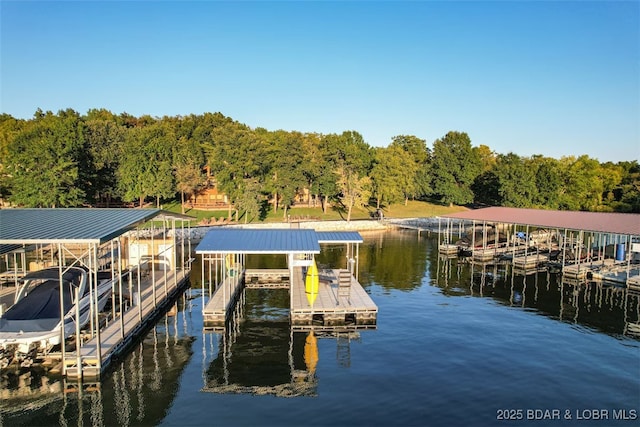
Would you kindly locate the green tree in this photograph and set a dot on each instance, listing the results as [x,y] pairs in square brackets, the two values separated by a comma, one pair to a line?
[146,165]
[516,181]
[416,165]
[390,176]
[355,190]
[105,138]
[581,185]
[46,161]
[455,166]
[235,153]
[187,167]
[286,173]
[250,199]
[350,158]
[627,194]
[547,178]
[9,129]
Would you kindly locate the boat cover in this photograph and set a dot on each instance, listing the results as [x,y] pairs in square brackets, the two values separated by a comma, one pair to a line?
[39,310]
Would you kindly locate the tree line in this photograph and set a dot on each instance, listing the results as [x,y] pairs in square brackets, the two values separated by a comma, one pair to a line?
[68,159]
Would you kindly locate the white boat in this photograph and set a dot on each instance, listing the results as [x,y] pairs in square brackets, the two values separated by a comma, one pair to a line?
[32,325]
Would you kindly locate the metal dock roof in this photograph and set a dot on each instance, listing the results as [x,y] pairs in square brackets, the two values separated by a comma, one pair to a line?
[339,237]
[603,222]
[259,241]
[271,241]
[70,225]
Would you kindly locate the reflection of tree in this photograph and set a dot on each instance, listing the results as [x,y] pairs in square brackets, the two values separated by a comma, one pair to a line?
[393,260]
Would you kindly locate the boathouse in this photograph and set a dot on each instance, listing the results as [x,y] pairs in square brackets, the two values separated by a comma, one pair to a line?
[138,251]
[603,246]
[341,300]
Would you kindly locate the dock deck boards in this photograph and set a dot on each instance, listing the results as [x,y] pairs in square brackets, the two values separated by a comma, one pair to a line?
[332,307]
[530,260]
[221,302]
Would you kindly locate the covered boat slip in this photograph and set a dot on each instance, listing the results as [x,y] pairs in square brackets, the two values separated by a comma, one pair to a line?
[340,301]
[583,245]
[129,247]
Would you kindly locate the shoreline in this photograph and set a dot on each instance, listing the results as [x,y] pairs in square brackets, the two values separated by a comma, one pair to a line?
[425,223]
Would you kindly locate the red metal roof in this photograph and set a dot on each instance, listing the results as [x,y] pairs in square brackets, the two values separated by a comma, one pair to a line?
[603,222]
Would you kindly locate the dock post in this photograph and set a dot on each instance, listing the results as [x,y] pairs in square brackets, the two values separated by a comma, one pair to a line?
[78,355]
[62,342]
[98,336]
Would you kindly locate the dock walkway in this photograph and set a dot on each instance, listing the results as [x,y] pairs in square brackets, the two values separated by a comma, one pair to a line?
[118,334]
[222,301]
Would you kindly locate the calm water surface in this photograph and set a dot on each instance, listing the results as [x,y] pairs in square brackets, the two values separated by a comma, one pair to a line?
[455,345]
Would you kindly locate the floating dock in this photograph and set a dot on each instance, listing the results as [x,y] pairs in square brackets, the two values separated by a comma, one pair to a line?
[147,267]
[222,302]
[341,301]
[267,278]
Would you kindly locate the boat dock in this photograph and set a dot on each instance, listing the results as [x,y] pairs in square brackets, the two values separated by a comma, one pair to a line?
[581,245]
[267,278]
[144,265]
[341,299]
[222,302]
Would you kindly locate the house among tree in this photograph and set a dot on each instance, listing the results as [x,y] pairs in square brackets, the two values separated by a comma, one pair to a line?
[208,196]
[304,197]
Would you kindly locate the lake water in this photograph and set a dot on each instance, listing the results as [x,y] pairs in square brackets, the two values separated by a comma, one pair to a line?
[455,345]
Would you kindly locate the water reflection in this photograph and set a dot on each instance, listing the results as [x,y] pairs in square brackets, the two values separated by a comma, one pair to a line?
[138,390]
[257,353]
[604,307]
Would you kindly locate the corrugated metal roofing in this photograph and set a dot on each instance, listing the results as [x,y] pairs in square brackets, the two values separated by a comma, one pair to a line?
[9,248]
[259,241]
[602,222]
[69,225]
[339,237]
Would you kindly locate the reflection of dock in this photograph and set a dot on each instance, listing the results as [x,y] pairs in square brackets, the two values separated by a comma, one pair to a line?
[333,306]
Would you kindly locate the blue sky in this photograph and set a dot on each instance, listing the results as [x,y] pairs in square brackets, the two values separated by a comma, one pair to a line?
[536,77]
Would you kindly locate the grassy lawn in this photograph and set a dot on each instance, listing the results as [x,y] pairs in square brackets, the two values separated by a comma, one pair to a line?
[413,209]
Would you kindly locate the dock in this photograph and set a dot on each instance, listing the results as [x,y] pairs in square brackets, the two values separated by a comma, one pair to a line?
[341,301]
[147,264]
[530,261]
[583,246]
[120,332]
[270,278]
[222,302]
[337,304]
